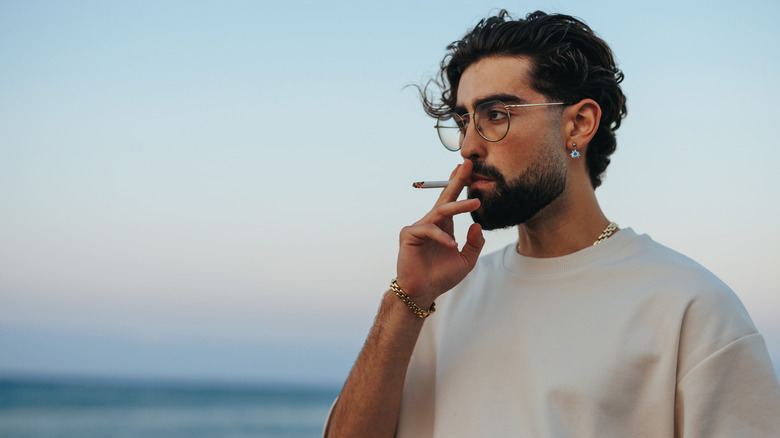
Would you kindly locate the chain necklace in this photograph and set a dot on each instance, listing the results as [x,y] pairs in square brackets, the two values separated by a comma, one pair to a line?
[611,228]
[609,231]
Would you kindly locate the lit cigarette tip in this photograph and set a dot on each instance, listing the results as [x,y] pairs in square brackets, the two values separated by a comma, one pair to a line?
[430,184]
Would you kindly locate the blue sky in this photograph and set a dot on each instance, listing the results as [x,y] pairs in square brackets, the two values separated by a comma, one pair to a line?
[215,189]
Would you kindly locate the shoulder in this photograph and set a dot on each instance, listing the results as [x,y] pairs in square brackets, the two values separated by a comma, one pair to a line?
[649,254]
[665,268]
[709,315]
[648,263]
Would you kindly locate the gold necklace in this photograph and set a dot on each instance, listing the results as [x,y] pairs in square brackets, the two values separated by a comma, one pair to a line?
[611,228]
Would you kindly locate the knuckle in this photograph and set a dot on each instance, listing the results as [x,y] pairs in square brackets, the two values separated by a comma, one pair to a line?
[440,210]
[408,229]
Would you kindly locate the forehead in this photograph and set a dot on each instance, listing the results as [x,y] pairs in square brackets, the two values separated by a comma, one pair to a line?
[496,76]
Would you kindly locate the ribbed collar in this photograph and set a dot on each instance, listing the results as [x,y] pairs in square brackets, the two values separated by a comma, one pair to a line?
[521,265]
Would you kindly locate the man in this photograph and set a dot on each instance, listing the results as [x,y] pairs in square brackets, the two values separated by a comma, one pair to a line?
[580,328]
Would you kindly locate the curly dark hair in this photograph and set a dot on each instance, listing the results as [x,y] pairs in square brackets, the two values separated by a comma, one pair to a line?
[569,63]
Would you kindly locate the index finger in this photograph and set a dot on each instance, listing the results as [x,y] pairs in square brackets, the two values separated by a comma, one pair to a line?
[458,181]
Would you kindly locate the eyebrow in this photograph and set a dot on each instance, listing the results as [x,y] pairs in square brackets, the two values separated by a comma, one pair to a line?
[508,99]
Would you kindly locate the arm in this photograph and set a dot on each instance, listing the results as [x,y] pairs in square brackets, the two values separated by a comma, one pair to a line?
[429,264]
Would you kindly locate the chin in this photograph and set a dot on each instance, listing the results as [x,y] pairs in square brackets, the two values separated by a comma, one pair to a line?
[509,208]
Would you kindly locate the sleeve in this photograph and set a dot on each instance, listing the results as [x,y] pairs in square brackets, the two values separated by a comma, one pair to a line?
[733,392]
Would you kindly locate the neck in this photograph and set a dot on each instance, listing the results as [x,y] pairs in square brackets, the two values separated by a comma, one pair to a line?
[570,223]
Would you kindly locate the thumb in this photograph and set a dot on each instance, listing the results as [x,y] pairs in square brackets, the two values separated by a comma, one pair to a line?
[474,243]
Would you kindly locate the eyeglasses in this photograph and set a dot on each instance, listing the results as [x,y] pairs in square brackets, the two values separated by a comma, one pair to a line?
[490,118]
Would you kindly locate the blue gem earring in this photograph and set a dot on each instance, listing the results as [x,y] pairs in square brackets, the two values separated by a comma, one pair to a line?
[574,153]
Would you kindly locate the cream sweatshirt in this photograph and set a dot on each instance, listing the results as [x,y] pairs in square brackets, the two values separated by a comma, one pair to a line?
[624,339]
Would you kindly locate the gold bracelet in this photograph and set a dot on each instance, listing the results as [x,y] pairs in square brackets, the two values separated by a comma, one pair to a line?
[417,310]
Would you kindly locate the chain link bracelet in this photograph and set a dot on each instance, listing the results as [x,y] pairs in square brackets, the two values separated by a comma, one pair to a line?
[417,310]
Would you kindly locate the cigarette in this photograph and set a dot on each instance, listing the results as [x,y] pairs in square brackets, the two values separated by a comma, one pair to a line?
[430,184]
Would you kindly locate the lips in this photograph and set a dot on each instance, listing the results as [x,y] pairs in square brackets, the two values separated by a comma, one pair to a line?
[477,180]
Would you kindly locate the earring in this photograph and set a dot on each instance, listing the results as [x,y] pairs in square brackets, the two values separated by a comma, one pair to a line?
[574,153]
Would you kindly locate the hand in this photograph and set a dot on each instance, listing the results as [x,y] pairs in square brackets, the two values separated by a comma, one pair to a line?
[429,262]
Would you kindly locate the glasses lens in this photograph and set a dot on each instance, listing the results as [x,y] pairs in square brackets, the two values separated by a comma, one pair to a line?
[492,120]
[449,131]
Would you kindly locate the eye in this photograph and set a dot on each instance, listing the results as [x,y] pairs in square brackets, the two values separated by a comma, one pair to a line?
[461,121]
[492,112]
[497,115]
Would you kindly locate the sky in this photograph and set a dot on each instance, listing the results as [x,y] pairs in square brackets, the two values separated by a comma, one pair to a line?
[214,190]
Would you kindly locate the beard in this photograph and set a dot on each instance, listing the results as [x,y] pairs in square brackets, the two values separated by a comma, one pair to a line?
[514,202]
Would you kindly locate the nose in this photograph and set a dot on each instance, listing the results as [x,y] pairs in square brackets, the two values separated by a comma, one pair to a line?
[473,145]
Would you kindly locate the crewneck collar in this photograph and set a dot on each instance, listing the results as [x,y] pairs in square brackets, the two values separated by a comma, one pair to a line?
[522,265]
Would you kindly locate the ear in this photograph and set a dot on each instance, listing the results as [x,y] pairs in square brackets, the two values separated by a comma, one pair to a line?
[581,123]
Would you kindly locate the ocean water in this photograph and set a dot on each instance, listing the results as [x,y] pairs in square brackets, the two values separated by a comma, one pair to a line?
[67,408]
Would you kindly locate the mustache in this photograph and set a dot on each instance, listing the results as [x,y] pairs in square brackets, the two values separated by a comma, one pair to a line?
[488,171]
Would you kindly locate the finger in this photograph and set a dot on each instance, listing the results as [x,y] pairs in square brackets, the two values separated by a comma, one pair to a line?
[455,172]
[451,179]
[475,241]
[458,180]
[418,234]
[450,209]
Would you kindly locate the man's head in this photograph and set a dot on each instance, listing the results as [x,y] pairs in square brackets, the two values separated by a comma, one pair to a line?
[568,63]
[524,172]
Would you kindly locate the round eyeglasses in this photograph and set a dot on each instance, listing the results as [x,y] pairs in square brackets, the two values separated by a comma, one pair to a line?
[490,118]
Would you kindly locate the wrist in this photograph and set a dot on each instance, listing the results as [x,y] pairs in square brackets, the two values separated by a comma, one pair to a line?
[419,307]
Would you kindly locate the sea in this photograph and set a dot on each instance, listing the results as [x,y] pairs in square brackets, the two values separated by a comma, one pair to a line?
[113,408]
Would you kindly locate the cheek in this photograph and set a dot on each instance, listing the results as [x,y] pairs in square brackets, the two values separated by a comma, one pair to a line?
[515,156]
